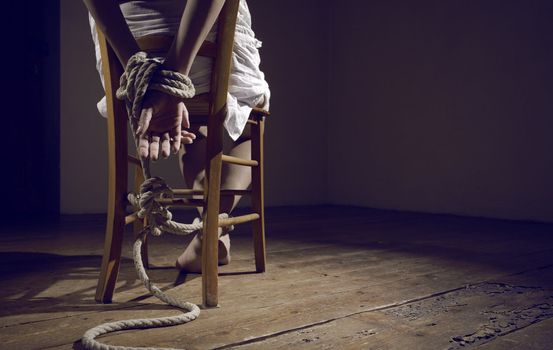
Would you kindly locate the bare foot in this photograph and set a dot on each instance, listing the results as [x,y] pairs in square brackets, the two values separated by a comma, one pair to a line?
[191,259]
[224,249]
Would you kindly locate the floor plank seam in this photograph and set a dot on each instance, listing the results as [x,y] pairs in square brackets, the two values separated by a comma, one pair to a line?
[384,280]
[121,308]
[310,325]
[377,309]
[509,332]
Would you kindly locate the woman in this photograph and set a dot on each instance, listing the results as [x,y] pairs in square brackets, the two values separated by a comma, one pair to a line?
[164,120]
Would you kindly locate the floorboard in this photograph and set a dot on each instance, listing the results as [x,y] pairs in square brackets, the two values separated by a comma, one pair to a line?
[337,278]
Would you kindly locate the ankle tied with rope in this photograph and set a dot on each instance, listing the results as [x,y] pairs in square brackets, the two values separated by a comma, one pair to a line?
[144,73]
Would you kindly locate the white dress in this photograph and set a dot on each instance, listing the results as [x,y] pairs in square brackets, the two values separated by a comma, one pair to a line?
[247,85]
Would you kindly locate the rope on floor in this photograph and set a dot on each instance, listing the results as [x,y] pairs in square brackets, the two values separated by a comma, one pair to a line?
[143,73]
[193,311]
[160,219]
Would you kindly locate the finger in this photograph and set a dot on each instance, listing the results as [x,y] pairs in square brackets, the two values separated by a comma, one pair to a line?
[185,120]
[186,141]
[165,145]
[176,134]
[144,121]
[187,137]
[143,146]
[188,134]
[154,147]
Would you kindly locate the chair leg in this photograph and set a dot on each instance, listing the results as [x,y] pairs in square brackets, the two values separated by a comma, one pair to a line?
[117,201]
[138,225]
[111,258]
[212,190]
[258,204]
[114,233]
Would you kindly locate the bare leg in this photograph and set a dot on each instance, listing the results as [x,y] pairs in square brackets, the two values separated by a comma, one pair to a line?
[192,162]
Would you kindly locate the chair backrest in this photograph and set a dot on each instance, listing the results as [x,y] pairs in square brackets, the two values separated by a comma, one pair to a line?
[207,105]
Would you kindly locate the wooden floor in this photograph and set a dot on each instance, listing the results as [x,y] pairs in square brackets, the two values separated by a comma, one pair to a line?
[338,278]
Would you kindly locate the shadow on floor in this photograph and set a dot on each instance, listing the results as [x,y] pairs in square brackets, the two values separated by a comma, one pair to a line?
[44,282]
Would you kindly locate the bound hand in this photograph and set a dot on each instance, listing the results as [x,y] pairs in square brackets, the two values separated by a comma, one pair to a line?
[162,120]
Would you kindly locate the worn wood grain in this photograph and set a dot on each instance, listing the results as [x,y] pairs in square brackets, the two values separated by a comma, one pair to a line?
[461,318]
[327,277]
[537,337]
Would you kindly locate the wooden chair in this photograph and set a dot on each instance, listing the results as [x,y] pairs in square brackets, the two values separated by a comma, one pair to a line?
[207,109]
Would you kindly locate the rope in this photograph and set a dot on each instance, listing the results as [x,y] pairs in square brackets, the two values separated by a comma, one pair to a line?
[143,73]
[89,341]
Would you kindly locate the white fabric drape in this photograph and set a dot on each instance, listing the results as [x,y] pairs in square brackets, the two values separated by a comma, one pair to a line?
[247,84]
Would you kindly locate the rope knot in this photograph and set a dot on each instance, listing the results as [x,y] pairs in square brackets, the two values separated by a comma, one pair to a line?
[144,73]
[158,215]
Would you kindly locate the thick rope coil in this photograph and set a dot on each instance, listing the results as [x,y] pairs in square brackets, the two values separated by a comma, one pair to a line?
[159,218]
[193,311]
[143,73]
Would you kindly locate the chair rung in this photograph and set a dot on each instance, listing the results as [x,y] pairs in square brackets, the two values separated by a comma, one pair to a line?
[181,202]
[191,192]
[129,219]
[239,161]
[160,43]
[208,49]
[198,118]
[187,192]
[256,111]
[235,220]
[235,192]
[198,108]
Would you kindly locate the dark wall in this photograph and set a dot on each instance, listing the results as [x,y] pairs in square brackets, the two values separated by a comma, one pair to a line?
[30,139]
[295,38]
[444,106]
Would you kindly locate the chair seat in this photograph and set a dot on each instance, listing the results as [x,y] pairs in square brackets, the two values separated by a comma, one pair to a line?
[198,106]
